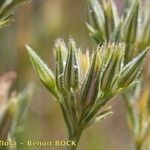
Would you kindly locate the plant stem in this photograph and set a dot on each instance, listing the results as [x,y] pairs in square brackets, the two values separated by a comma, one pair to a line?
[76,137]
[138,145]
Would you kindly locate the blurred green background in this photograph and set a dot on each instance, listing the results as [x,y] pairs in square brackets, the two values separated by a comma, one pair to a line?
[38,24]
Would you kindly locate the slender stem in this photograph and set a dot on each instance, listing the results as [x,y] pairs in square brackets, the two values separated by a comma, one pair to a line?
[75,138]
[129,110]
[138,145]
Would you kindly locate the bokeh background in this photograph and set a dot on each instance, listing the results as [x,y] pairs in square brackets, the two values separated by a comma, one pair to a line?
[38,24]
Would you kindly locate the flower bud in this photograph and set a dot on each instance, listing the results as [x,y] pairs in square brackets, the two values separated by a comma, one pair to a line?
[131,70]
[71,74]
[112,67]
[60,47]
[129,31]
[7,118]
[111,16]
[90,86]
[84,61]
[96,23]
[45,74]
